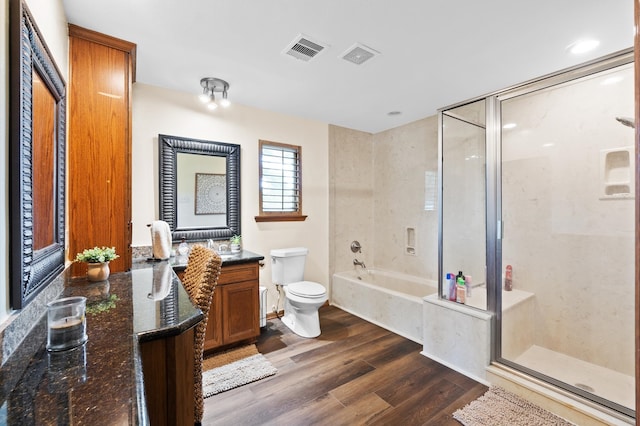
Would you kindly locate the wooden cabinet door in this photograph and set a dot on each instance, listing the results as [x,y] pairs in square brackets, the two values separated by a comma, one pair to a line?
[240,310]
[213,333]
[99,145]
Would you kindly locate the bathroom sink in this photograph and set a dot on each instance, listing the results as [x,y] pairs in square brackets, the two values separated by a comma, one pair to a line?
[227,256]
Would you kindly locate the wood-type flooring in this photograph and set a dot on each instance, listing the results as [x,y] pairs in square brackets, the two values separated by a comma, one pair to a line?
[355,373]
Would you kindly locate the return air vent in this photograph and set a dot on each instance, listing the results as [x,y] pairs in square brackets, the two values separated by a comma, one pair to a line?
[304,48]
[359,54]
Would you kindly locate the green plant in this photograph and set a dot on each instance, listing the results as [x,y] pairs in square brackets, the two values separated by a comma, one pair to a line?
[236,239]
[97,255]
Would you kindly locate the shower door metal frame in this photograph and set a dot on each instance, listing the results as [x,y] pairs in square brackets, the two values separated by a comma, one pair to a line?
[494,218]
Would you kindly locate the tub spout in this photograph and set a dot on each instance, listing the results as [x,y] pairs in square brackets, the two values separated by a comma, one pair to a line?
[356,262]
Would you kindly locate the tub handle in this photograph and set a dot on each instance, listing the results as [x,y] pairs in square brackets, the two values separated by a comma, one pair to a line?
[356,247]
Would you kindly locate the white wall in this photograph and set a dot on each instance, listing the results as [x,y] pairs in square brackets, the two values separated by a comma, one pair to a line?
[161,111]
[50,18]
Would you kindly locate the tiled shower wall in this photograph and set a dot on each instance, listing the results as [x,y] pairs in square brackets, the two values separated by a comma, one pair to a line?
[377,191]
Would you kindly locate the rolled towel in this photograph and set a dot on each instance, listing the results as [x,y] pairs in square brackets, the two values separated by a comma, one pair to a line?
[161,239]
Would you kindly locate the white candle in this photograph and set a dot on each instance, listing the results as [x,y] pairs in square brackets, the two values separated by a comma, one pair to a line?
[66,332]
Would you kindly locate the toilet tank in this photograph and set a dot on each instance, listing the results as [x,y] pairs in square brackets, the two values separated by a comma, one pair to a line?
[287,265]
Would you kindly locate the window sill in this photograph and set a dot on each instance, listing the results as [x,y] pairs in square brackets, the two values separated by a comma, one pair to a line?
[281,218]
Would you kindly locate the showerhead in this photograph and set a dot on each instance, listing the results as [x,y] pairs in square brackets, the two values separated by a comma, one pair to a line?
[629,122]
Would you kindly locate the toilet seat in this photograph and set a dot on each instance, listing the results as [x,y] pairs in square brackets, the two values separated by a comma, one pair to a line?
[307,289]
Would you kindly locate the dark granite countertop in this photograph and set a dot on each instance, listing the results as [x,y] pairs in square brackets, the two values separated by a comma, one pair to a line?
[100,382]
[244,256]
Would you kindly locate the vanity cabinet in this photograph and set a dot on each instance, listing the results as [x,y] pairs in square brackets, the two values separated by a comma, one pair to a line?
[235,311]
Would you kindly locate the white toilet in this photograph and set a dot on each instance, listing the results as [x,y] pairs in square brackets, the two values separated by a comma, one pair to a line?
[302,298]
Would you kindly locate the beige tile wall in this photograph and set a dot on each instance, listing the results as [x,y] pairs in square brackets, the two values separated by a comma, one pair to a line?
[377,190]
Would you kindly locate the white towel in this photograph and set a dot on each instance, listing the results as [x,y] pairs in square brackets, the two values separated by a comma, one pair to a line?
[161,239]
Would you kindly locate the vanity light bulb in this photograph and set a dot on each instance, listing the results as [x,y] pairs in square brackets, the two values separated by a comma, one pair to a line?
[204,97]
[212,105]
[225,103]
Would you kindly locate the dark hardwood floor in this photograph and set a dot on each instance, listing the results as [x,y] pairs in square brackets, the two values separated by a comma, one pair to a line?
[355,373]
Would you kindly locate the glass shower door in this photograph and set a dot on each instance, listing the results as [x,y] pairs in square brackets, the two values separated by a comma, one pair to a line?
[567,247]
[463,235]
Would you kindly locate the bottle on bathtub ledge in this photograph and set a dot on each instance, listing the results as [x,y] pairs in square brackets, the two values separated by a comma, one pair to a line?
[452,287]
[461,291]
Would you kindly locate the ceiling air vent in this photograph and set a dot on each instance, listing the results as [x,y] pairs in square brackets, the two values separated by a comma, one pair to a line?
[304,48]
[359,54]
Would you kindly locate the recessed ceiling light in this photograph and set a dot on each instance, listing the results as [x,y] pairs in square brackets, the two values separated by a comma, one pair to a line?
[509,126]
[392,113]
[583,46]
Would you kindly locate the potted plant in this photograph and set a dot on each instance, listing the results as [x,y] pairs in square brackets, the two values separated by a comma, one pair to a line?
[236,242]
[97,260]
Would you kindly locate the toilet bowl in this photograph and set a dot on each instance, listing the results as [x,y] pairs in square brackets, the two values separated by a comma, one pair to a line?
[302,301]
[302,298]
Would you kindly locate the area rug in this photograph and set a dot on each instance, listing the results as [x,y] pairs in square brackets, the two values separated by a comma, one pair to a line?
[499,407]
[234,368]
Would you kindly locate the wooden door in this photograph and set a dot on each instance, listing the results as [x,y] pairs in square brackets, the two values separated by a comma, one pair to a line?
[636,5]
[99,194]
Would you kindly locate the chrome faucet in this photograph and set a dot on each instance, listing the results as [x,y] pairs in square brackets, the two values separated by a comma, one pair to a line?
[356,262]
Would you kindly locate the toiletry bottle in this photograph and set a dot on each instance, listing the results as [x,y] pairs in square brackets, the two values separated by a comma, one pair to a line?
[467,285]
[461,292]
[445,287]
[183,248]
[508,280]
[452,287]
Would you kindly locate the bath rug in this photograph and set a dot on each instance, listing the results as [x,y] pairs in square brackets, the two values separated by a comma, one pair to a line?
[227,357]
[499,407]
[233,369]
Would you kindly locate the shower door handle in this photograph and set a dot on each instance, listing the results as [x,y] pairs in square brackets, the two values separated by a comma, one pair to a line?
[500,230]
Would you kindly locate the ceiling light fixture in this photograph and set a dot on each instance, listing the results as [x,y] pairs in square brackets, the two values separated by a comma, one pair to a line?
[211,85]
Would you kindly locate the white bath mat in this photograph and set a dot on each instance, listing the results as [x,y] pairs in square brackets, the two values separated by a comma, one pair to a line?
[235,374]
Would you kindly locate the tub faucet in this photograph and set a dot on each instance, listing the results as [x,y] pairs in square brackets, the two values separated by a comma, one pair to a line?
[356,262]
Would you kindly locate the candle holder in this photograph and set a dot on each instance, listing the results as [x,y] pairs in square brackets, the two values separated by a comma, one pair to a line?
[66,323]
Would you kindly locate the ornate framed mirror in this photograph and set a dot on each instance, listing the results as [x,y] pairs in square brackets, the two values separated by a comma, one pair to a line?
[199,188]
[36,160]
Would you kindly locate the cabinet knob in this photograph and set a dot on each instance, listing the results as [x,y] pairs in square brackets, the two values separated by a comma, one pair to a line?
[261,264]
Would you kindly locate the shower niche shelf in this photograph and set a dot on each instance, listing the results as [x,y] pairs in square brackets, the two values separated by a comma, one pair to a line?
[616,173]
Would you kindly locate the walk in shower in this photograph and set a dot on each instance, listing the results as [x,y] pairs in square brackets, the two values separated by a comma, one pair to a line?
[540,178]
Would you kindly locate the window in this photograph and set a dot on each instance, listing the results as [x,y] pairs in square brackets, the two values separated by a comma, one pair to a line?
[280,182]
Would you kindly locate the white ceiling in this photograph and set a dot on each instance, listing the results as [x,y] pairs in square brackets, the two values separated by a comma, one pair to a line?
[433,52]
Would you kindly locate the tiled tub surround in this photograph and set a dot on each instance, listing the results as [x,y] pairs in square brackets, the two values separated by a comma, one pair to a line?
[389,299]
[100,382]
[459,336]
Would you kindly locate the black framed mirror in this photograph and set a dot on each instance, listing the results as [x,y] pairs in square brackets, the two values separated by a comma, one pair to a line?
[37,145]
[199,188]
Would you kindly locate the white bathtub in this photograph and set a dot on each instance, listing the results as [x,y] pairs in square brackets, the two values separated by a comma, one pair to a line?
[389,299]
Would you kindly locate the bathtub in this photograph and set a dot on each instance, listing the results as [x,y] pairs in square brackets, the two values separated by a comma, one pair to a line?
[389,299]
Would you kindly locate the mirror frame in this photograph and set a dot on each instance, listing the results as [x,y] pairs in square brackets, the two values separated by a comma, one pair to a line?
[170,146]
[31,270]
